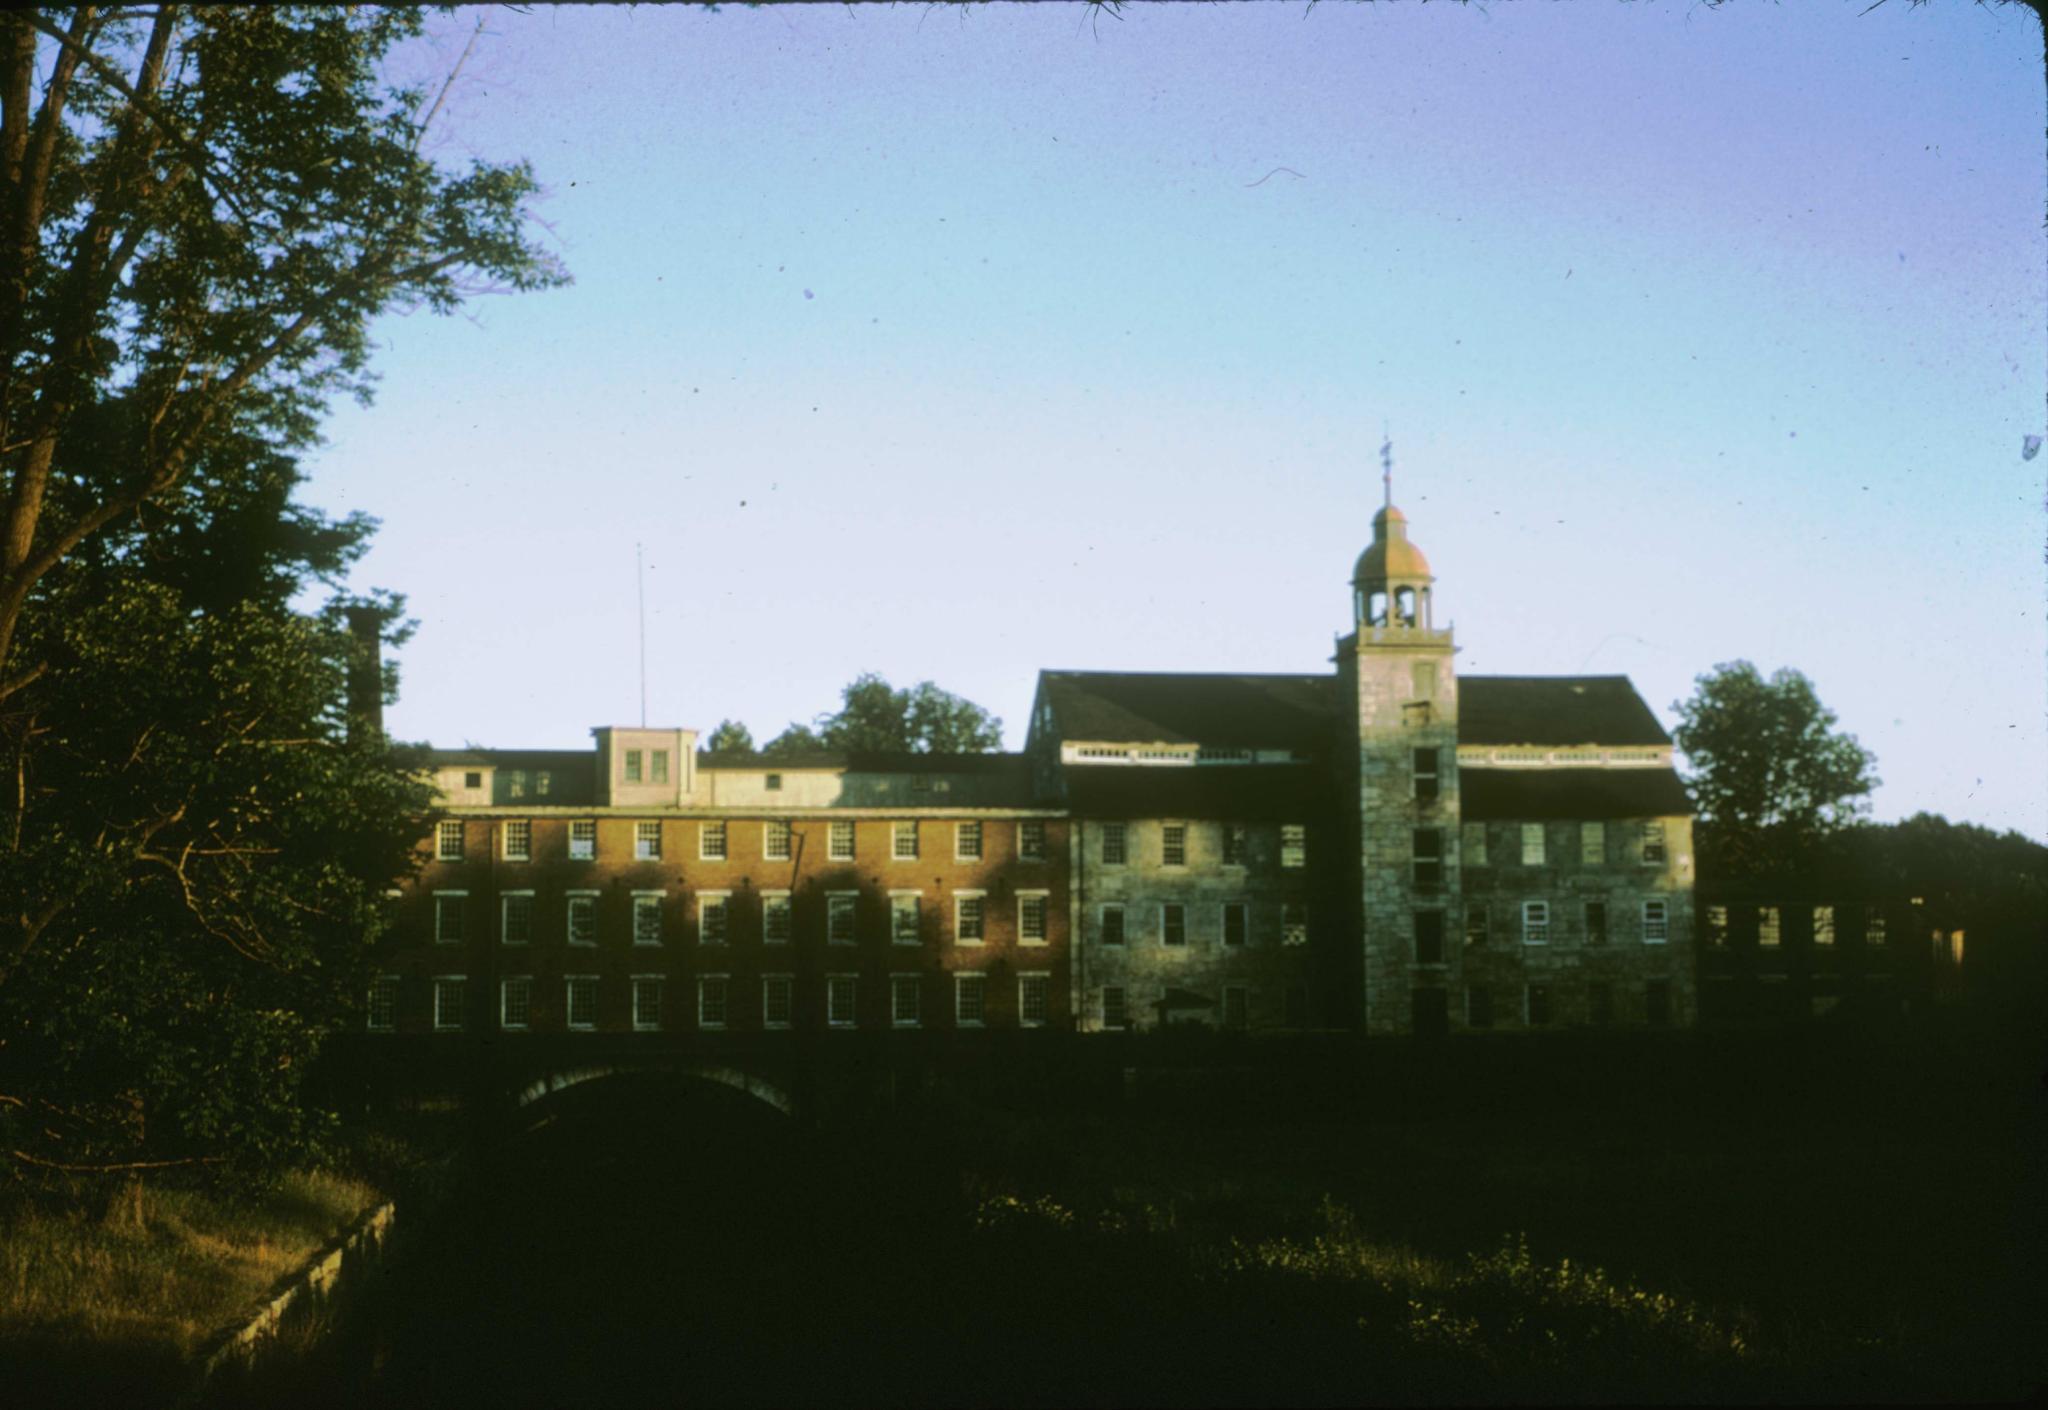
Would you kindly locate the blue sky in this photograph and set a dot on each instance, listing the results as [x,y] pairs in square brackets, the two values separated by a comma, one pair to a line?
[956,343]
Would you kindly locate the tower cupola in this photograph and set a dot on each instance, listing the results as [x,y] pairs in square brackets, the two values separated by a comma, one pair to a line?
[1390,584]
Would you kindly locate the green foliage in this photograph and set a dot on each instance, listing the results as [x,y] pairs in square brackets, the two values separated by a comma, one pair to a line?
[795,739]
[1768,771]
[876,718]
[732,736]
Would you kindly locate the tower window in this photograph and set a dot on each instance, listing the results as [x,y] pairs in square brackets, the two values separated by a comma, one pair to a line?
[1425,775]
[1429,859]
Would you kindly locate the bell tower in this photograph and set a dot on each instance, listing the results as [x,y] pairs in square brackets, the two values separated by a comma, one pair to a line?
[1395,674]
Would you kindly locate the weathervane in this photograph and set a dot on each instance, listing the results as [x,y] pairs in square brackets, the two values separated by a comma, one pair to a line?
[1387,462]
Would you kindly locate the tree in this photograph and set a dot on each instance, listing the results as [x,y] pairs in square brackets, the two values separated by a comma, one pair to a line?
[874,717]
[1769,774]
[794,739]
[730,736]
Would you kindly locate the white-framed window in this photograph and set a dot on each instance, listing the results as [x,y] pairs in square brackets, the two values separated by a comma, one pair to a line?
[1034,999]
[515,783]
[515,917]
[1656,922]
[448,843]
[1116,1012]
[839,917]
[1031,910]
[968,917]
[1535,922]
[1768,933]
[906,1000]
[778,1000]
[711,841]
[1293,923]
[1031,840]
[904,928]
[967,841]
[1173,924]
[647,999]
[583,840]
[839,842]
[775,918]
[903,841]
[1236,1007]
[970,1000]
[1236,922]
[1112,927]
[657,771]
[582,917]
[451,994]
[1173,845]
[1592,844]
[647,842]
[1472,845]
[515,1002]
[841,992]
[1115,844]
[647,917]
[1293,846]
[382,1015]
[516,835]
[542,778]
[633,766]
[775,840]
[1234,848]
[448,908]
[713,912]
[1652,835]
[1532,844]
[1823,925]
[579,1001]
[1478,922]
[712,992]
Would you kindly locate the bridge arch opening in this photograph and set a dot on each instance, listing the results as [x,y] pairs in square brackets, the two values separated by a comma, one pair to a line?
[770,1094]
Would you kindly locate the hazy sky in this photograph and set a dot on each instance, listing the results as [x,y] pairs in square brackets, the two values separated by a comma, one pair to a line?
[955,343]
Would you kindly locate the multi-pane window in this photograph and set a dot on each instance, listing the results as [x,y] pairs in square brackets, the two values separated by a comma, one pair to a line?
[775,840]
[1173,923]
[1428,843]
[839,842]
[1112,925]
[515,1002]
[711,841]
[1600,1003]
[582,840]
[579,1007]
[647,841]
[1472,845]
[1429,937]
[713,990]
[839,917]
[448,841]
[1236,1007]
[1031,908]
[1173,845]
[1538,996]
[970,1000]
[903,918]
[1873,926]
[1717,926]
[1596,922]
[1031,840]
[517,834]
[1592,843]
[840,994]
[1116,1011]
[1425,775]
[1532,844]
[516,917]
[1233,844]
[1115,842]
[1656,922]
[713,912]
[647,996]
[775,921]
[583,919]
[1535,922]
[1652,836]
[448,916]
[450,994]
[1657,1003]
[657,771]
[633,766]
[1034,999]
[903,842]
[1478,922]
[906,1000]
[1293,923]
[967,917]
[646,917]
[1293,846]
[967,842]
[1479,1007]
[1823,925]
[777,1000]
[1236,922]
[383,1006]
[1767,933]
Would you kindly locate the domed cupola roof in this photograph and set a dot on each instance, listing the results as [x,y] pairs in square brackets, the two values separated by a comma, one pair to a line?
[1390,555]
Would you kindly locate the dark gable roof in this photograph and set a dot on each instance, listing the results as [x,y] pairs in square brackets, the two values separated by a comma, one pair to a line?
[1496,794]
[532,760]
[1553,710]
[1233,712]
[1247,793]
[867,763]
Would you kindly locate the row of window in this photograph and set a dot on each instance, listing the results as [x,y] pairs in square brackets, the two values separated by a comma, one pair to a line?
[1537,927]
[1770,932]
[716,996]
[1481,1011]
[1233,844]
[1233,924]
[517,914]
[715,839]
[1531,844]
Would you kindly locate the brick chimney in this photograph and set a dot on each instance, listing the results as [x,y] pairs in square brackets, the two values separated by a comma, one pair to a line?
[365,674]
